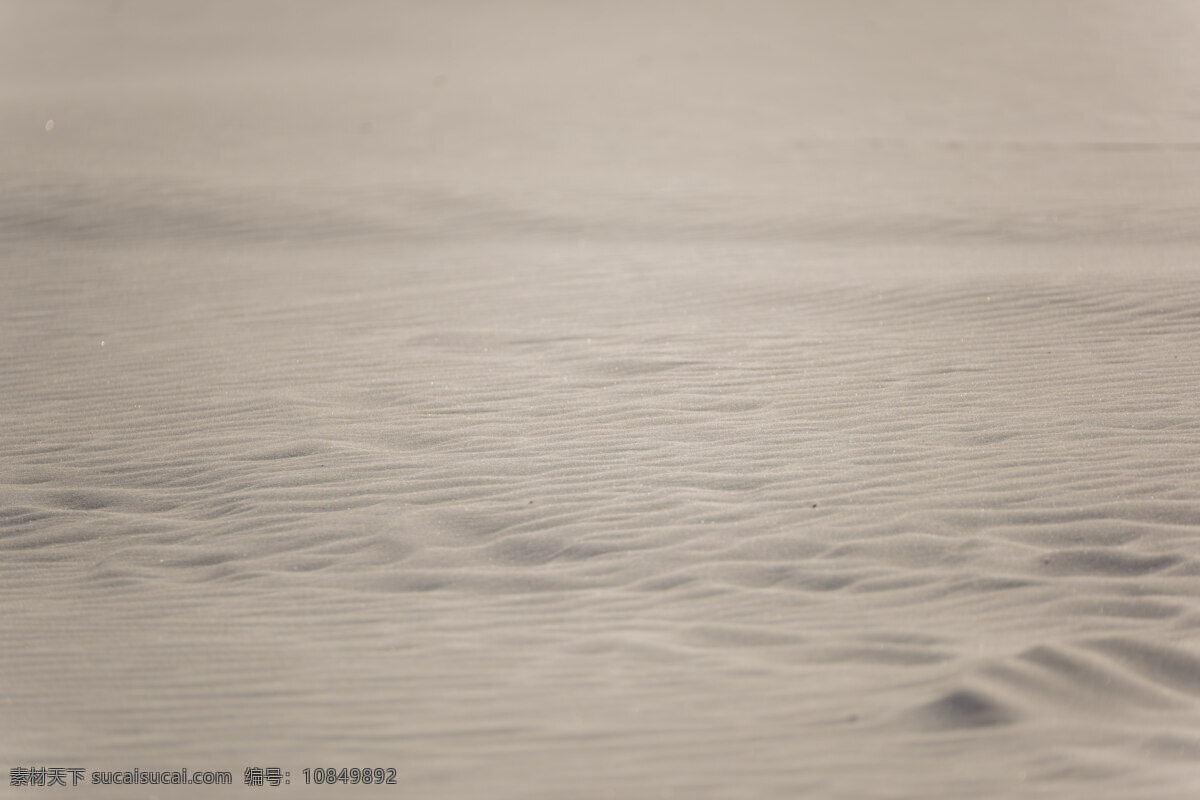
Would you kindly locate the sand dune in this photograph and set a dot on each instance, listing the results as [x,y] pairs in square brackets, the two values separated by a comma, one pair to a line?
[868,472]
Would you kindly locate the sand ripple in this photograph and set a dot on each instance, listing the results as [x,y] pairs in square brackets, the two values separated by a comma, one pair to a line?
[767,518]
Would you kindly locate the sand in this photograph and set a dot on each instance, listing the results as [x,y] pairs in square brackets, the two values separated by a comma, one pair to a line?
[603,400]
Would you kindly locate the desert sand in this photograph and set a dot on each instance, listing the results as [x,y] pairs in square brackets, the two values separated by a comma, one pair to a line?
[603,400]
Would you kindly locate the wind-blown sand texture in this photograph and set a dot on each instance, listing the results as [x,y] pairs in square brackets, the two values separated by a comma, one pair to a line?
[557,400]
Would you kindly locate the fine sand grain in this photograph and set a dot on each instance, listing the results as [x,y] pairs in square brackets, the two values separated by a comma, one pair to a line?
[575,401]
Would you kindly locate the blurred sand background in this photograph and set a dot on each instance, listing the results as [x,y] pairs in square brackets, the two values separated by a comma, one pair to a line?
[698,400]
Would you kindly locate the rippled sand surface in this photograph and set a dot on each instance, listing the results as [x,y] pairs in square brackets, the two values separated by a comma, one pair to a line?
[633,401]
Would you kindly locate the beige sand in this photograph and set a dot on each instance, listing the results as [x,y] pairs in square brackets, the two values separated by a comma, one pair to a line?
[615,400]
